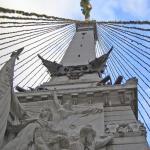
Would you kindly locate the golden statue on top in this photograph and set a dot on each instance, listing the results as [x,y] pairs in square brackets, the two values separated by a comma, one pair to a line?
[86,8]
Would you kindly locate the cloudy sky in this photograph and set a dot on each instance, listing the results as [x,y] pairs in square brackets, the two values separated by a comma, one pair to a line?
[102,9]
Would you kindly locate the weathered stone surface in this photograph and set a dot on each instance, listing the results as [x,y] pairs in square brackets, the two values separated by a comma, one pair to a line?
[133,146]
[125,129]
[8,101]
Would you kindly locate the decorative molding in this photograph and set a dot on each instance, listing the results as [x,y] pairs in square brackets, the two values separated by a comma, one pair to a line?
[125,129]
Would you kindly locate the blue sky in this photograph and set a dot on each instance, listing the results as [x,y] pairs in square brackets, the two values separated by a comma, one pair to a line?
[102,9]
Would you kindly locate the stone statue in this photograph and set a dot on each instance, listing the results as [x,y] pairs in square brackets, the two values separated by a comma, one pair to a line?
[87,140]
[29,136]
[86,8]
[18,131]
[10,108]
[66,110]
[33,137]
[111,128]
[59,142]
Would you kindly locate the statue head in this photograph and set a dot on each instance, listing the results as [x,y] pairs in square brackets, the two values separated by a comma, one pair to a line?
[46,114]
[87,135]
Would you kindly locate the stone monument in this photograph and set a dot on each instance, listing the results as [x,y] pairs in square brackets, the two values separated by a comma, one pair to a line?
[77,109]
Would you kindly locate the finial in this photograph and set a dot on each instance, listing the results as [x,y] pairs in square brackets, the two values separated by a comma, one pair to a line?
[86,8]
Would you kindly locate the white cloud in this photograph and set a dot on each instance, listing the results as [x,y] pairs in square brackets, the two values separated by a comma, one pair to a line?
[60,8]
[102,9]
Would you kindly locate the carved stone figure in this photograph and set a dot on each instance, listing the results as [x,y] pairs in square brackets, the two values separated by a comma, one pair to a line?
[122,129]
[137,127]
[10,109]
[86,8]
[87,140]
[66,110]
[111,128]
[40,144]
[29,136]
[59,142]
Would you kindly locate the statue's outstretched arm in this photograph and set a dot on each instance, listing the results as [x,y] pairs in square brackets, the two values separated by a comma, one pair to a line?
[56,102]
[103,142]
[91,110]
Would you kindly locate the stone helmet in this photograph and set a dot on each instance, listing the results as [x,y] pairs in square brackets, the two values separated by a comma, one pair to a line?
[87,130]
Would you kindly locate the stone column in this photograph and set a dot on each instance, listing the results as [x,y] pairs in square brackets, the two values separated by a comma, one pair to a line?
[60,98]
[107,101]
[121,94]
[90,96]
[75,99]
